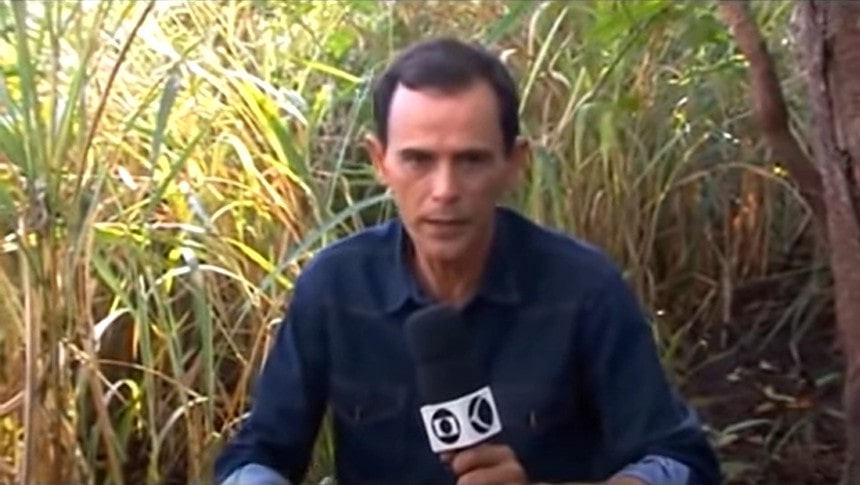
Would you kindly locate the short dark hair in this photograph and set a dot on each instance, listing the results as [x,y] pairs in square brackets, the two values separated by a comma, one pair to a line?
[448,64]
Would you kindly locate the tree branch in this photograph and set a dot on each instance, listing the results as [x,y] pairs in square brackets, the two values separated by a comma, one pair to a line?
[770,109]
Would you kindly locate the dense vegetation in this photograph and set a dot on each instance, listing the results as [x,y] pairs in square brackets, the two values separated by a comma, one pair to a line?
[167,167]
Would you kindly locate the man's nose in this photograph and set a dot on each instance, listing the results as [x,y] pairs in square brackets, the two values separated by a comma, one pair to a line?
[446,185]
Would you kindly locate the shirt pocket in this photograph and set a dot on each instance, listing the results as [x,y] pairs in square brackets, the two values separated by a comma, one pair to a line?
[369,426]
[547,428]
[358,404]
[527,410]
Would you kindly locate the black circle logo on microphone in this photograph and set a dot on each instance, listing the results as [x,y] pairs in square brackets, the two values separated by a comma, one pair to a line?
[445,426]
[480,414]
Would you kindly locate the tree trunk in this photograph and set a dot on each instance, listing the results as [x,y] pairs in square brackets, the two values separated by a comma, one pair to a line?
[828,38]
[830,46]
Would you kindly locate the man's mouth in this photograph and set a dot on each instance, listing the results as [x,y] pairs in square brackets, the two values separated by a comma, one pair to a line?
[448,222]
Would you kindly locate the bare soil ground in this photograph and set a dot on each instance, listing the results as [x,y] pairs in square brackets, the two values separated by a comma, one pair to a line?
[789,402]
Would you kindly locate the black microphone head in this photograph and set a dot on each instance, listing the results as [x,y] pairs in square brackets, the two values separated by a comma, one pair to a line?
[441,346]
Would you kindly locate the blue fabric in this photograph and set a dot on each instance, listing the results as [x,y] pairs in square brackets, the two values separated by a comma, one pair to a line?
[572,365]
[654,470]
[254,474]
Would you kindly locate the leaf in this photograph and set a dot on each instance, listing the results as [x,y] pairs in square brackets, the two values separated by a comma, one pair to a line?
[516,12]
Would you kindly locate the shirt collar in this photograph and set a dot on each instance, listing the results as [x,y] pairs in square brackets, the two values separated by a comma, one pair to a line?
[498,283]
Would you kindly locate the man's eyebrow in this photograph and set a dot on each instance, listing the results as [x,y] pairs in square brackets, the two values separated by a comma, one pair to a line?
[414,151]
[472,152]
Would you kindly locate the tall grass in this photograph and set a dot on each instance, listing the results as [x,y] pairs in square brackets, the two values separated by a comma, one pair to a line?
[167,167]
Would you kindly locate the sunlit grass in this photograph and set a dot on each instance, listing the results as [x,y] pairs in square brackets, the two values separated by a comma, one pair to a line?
[167,167]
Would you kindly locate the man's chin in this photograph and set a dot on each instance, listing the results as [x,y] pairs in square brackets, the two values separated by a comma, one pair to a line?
[443,251]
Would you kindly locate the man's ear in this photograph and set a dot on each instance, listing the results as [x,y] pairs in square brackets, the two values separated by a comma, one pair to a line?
[376,152]
[518,161]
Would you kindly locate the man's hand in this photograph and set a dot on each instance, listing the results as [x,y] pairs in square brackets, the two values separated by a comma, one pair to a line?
[487,464]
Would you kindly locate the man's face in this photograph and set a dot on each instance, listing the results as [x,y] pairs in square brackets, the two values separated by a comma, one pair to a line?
[446,166]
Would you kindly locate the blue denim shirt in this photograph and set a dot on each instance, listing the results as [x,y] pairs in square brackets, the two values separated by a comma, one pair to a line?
[572,363]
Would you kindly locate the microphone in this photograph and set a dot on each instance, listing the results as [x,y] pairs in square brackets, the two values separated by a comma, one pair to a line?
[459,410]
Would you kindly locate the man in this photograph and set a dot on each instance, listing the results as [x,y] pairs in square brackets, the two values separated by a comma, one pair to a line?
[575,372]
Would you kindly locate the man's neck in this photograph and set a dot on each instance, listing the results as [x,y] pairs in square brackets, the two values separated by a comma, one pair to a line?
[452,282]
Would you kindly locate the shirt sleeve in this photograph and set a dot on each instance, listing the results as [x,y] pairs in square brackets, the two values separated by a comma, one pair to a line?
[657,470]
[254,474]
[638,412]
[288,400]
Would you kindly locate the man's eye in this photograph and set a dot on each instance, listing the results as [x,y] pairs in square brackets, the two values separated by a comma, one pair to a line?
[417,158]
[474,158]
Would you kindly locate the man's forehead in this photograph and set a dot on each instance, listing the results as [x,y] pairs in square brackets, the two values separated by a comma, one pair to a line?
[406,142]
[472,93]
[426,137]
[454,122]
